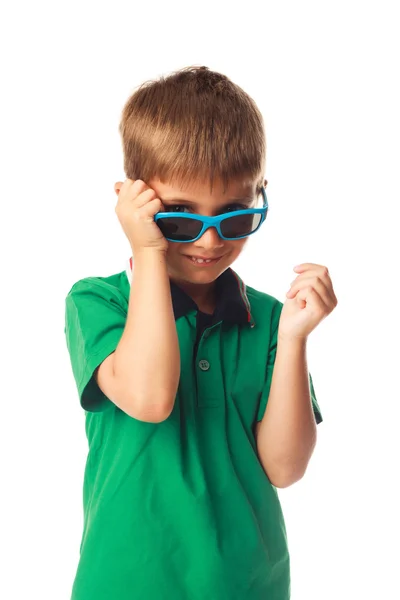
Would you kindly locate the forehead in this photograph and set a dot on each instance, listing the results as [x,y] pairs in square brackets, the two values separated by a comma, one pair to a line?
[201,192]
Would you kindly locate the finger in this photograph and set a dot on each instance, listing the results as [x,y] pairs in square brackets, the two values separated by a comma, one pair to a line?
[325,277]
[313,283]
[144,198]
[130,189]
[137,195]
[310,296]
[136,188]
[307,266]
[152,208]
[323,274]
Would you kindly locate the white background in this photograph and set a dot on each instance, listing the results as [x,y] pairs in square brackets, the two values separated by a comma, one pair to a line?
[326,78]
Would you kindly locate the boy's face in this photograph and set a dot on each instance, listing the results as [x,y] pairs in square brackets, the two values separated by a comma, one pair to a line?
[197,199]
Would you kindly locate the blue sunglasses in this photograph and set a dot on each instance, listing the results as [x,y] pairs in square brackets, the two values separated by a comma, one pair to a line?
[230,226]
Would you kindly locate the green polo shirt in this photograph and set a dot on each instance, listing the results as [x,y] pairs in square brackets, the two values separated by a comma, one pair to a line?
[180,510]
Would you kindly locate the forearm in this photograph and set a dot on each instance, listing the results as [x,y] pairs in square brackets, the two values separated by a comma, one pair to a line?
[147,358]
[287,434]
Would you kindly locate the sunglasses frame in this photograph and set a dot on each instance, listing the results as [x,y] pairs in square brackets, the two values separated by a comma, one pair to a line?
[216,221]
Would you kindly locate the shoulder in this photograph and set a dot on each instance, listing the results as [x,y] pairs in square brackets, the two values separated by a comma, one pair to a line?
[94,307]
[113,285]
[98,299]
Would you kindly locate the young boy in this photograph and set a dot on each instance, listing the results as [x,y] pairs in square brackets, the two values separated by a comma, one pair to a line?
[196,389]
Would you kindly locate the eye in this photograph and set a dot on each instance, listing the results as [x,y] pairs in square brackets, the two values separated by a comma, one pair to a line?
[172,207]
[236,207]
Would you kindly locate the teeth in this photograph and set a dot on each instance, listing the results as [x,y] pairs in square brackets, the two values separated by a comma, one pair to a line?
[200,260]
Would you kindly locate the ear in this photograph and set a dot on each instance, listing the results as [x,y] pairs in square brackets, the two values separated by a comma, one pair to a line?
[117,187]
[265,183]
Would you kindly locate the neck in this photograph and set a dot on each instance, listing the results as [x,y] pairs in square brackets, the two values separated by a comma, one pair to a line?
[202,294]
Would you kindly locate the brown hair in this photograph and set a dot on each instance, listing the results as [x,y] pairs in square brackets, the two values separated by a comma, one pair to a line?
[194,124]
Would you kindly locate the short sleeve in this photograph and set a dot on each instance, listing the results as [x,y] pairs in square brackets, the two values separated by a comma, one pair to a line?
[270,369]
[95,317]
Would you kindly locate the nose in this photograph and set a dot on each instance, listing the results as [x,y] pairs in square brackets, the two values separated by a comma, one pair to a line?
[209,239]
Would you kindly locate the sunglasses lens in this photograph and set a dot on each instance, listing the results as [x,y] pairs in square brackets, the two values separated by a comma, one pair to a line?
[178,229]
[240,225]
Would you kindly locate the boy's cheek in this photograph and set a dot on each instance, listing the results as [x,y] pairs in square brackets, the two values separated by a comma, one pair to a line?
[238,246]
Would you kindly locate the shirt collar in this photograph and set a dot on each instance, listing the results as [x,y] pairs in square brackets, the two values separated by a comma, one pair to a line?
[232,302]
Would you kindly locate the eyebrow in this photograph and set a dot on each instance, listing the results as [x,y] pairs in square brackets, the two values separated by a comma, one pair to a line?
[243,200]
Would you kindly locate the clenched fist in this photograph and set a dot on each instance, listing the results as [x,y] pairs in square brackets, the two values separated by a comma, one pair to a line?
[137,204]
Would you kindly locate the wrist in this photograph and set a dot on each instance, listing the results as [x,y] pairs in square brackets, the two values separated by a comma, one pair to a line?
[148,251]
[149,259]
[292,340]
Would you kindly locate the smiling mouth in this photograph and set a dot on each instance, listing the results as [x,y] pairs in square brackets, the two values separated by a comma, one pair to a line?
[203,261]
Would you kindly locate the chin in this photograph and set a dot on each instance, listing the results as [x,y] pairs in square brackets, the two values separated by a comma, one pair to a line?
[206,276]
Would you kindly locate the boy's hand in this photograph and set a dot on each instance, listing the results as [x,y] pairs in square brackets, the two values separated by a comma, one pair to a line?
[137,204]
[310,299]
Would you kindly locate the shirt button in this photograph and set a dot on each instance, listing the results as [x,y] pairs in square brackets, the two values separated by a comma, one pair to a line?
[204,365]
